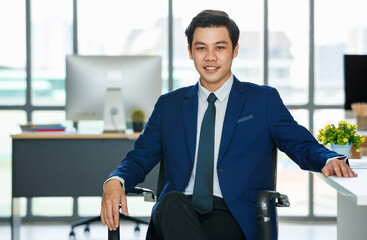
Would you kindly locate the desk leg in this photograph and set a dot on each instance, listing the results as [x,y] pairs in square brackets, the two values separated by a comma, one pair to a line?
[351,220]
[15,219]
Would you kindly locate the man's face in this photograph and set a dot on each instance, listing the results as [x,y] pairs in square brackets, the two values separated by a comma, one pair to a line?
[212,53]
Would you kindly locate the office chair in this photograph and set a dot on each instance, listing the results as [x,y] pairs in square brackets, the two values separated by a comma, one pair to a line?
[148,196]
[148,184]
[264,201]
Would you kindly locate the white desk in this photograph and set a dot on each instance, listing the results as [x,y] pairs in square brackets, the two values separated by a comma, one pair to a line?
[352,202]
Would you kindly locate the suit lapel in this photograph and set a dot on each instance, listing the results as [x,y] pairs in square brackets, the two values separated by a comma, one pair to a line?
[235,104]
[190,113]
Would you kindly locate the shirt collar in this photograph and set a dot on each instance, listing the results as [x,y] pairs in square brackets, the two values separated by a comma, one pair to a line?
[221,93]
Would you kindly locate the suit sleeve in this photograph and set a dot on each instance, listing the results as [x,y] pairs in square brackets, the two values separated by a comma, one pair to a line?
[293,139]
[146,153]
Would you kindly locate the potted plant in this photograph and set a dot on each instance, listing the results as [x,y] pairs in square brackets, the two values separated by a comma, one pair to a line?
[138,118]
[341,138]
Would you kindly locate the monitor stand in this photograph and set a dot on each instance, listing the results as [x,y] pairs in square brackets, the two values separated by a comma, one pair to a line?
[113,112]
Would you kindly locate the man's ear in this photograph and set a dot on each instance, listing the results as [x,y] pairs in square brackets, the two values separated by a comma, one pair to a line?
[235,51]
[189,50]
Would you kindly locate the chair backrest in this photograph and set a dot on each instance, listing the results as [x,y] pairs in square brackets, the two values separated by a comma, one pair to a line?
[161,179]
[273,168]
[150,181]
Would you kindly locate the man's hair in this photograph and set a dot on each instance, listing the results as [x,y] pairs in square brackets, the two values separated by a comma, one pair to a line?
[213,18]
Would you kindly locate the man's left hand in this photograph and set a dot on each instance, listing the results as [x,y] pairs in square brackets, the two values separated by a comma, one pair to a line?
[339,168]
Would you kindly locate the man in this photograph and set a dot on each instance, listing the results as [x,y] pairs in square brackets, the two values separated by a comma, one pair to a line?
[233,124]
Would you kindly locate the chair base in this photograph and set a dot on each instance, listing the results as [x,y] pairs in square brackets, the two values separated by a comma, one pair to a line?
[89,220]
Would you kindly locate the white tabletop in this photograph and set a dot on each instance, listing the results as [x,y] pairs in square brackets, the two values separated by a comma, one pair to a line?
[354,189]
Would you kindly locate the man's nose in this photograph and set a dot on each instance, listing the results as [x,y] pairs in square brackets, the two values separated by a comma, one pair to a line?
[211,55]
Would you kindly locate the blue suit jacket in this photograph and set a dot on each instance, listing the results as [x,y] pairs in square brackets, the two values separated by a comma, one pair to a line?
[256,120]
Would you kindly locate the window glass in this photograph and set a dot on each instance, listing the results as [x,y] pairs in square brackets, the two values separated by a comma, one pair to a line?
[136,28]
[51,42]
[12,53]
[90,206]
[9,124]
[51,117]
[343,31]
[52,206]
[248,17]
[323,117]
[289,49]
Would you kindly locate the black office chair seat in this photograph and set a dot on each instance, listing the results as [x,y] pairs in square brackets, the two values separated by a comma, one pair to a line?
[265,199]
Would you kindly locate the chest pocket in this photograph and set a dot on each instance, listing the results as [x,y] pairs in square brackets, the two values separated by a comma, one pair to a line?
[246,120]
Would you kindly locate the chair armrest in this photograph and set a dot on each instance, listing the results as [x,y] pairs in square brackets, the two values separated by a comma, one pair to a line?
[282,201]
[148,194]
[264,199]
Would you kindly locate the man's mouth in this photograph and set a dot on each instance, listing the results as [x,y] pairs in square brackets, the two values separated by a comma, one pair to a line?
[210,68]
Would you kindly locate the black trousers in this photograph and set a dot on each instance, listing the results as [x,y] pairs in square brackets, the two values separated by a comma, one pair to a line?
[175,218]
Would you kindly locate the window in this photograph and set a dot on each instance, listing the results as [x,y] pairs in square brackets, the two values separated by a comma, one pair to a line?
[114,27]
[12,53]
[51,41]
[343,31]
[9,124]
[288,49]
[124,29]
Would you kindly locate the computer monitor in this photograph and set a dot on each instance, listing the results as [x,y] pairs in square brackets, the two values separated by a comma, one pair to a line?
[355,79]
[109,88]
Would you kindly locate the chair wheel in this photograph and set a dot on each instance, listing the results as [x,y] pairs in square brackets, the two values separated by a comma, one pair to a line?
[72,235]
[137,228]
[86,229]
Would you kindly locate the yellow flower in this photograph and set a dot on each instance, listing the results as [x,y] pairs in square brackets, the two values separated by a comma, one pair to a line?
[357,150]
[344,133]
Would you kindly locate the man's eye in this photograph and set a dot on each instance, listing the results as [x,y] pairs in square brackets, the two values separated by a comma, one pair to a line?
[220,47]
[201,48]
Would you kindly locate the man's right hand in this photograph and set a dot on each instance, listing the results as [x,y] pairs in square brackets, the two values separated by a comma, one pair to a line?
[113,197]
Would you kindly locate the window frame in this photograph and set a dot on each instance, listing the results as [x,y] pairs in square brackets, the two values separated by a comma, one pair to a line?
[311,106]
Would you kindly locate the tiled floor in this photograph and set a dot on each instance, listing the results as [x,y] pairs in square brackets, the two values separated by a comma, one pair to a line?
[304,231]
